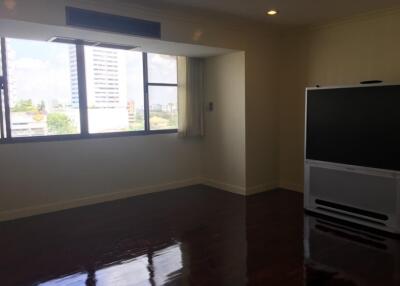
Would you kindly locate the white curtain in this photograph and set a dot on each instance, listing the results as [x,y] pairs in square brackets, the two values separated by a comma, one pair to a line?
[191,97]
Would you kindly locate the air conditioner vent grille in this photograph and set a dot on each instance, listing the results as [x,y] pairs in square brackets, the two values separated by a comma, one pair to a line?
[350,216]
[357,211]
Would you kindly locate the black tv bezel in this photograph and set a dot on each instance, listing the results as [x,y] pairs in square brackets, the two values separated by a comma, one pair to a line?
[306,124]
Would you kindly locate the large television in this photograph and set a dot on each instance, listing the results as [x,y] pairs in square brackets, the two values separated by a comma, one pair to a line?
[357,126]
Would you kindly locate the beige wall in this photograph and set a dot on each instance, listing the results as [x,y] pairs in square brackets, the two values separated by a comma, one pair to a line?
[361,48]
[225,140]
[267,132]
[48,176]
[262,82]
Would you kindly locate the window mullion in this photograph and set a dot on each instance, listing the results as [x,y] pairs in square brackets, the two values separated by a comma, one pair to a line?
[1,109]
[146,93]
[5,91]
[162,84]
[83,110]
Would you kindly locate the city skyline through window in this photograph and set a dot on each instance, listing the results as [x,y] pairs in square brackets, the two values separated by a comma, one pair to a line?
[45,90]
[39,88]
[162,91]
[114,80]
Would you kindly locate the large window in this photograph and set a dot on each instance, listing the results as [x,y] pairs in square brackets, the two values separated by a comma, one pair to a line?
[53,90]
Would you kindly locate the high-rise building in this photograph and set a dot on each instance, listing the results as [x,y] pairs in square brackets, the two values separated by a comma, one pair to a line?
[106,88]
[11,80]
[131,111]
[74,77]
[105,77]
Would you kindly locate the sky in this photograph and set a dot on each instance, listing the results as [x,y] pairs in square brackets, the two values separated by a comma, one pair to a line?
[38,71]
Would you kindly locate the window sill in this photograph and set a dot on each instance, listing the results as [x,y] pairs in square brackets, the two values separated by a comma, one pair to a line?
[56,138]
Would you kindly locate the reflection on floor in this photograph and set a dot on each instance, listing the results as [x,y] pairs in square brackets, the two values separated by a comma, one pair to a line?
[341,255]
[156,268]
[195,236]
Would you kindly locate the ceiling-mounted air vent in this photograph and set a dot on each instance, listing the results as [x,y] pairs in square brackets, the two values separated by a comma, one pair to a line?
[94,20]
[66,40]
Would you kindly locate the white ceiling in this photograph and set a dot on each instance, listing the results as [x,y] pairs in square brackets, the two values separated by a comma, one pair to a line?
[292,12]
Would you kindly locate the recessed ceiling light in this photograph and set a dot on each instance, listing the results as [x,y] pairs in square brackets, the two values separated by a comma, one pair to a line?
[272,12]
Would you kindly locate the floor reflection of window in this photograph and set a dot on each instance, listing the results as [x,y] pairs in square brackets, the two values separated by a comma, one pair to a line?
[71,280]
[132,272]
[154,268]
[167,264]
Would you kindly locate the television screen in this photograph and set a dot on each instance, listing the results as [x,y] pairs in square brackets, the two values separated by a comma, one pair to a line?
[356,126]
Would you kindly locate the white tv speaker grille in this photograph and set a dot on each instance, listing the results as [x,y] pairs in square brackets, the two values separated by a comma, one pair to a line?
[364,191]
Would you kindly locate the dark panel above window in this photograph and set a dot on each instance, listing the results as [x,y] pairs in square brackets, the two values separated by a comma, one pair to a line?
[112,23]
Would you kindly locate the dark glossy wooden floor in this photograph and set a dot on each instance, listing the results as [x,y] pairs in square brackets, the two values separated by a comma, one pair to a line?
[194,236]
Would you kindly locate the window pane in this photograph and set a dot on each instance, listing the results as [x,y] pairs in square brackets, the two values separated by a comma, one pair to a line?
[163,105]
[162,68]
[114,80]
[41,80]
